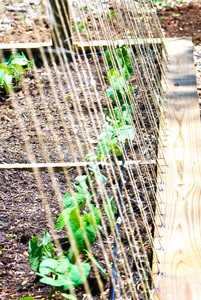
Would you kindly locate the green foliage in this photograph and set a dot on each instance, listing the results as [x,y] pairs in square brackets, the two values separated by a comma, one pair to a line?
[95,171]
[121,57]
[110,209]
[82,224]
[120,87]
[166,3]
[63,272]
[39,252]
[80,216]
[97,264]
[10,70]
[55,271]
[114,132]
[81,27]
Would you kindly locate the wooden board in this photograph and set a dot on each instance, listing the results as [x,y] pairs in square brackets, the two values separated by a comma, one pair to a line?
[180,258]
[25,46]
[98,44]
[59,166]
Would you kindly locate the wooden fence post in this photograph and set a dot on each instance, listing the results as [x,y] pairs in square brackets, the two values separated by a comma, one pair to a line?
[60,23]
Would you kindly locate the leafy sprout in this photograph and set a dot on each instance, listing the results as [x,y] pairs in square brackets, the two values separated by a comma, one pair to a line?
[11,69]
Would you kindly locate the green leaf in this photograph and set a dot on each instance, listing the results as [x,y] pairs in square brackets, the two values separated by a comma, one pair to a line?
[75,217]
[90,157]
[108,59]
[63,218]
[96,214]
[6,68]
[109,92]
[64,266]
[95,169]
[7,83]
[103,146]
[83,181]
[91,232]
[126,132]
[78,235]
[18,67]
[48,266]
[56,282]
[78,275]
[97,264]
[122,115]
[1,77]
[20,60]
[117,149]
[108,129]
[73,201]
[83,191]
[35,254]
[67,200]
[110,210]
[69,296]
[46,238]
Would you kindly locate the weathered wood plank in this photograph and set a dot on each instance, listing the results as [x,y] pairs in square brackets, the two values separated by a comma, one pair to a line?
[25,46]
[180,258]
[98,44]
[60,166]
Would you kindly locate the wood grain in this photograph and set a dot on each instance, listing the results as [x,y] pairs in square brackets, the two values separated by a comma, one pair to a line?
[180,258]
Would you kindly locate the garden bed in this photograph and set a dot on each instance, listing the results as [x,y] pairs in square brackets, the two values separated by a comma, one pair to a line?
[22,213]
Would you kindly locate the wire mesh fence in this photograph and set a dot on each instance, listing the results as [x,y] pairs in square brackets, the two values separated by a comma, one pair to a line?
[88,118]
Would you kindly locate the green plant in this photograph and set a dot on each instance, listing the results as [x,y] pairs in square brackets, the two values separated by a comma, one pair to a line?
[81,27]
[61,270]
[82,218]
[81,223]
[56,271]
[11,69]
[120,57]
[114,133]
[120,88]
[111,14]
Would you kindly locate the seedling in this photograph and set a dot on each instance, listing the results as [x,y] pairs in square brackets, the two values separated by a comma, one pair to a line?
[111,15]
[11,69]
[82,224]
[120,89]
[81,27]
[114,132]
[56,271]
[121,57]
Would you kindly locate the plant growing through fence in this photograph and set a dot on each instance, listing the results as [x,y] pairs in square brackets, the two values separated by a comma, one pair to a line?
[119,79]
[61,270]
[80,216]
[11,69]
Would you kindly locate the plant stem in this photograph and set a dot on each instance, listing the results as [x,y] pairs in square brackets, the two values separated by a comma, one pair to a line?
[52,290]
